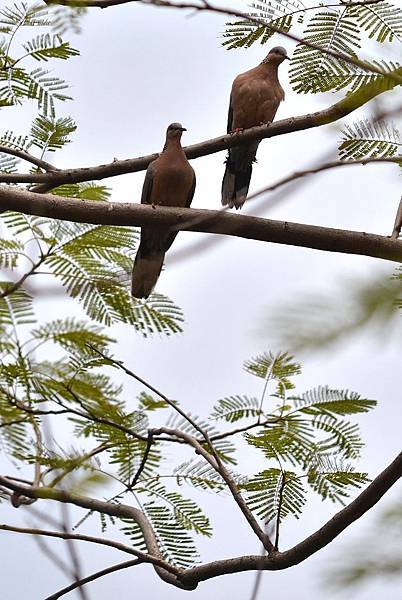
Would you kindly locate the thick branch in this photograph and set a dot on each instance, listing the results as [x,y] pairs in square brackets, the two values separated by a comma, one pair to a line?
[275,561]
[207,221]
[333,113]
[321,538]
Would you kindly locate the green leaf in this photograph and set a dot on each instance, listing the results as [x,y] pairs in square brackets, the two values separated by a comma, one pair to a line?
[224,447]
[17,142]
[15,308]
[174,542]
[281,367]
[45,89]
[10,253]
[334,481]
[291,438]
[234,408]
[88,190]
[327,401]
[50,134]
[149,403]
[45,46]
[8,164]
[200,474]
[313,71]
[365,139]
[344,439]
[275,494]
[381,20]
[23,15]
[277,13]
[72,335]
[188,514]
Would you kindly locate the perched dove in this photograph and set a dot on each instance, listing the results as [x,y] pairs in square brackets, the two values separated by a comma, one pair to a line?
[169,181]
[255,97]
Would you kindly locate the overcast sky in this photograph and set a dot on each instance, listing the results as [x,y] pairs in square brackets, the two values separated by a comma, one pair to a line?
[140,69]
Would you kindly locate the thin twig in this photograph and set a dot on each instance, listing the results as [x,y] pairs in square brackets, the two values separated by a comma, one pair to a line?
[28,157]
[207,7]
[97,575]
[143,461]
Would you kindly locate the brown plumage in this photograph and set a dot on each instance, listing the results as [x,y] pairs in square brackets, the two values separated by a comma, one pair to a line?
[255,97]
[169,181]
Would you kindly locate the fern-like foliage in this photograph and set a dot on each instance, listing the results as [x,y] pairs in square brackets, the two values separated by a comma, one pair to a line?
[275,494]
[337,29]
[381,20]
[277,13]
[50,134]
[44,47]
[315,322]
[366,139]
[200,475]
[234,408]
[19,82]
[281,368]
[331,479]
[175,543]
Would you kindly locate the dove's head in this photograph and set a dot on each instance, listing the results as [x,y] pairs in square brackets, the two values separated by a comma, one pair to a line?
[174,131]
[276,55]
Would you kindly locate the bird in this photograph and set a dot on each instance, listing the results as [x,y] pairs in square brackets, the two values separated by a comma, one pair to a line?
[254,100]
[169,181]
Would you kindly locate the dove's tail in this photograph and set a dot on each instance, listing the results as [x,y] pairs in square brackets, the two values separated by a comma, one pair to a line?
[145,273]
[237,177]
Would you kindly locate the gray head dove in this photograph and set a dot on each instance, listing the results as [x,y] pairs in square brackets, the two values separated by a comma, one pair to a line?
[255,97]
[169,181]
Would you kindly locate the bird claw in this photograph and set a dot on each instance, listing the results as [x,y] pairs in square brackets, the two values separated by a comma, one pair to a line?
[237,130]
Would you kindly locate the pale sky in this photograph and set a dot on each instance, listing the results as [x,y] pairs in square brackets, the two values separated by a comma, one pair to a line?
[140,69]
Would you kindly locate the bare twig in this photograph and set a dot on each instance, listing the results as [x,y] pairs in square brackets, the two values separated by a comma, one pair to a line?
[166,572]
[94,576]
[213,459]
[38,162]
[65,535]
[143,461]
[221,469]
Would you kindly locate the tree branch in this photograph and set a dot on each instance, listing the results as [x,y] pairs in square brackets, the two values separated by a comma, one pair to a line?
[321,538]
[207,221]
[62,535]
[398,222]
[28,157]
[337,111]
[97,575]
[190,578]
[219,467]
[166,572]
[205,6]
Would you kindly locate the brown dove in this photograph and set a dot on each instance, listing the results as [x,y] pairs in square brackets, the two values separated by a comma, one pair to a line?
[255,97]
[169,181]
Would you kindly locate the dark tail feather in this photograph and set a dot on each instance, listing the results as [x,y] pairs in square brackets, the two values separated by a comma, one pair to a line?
[236,181]
[235,185]
[145,274]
